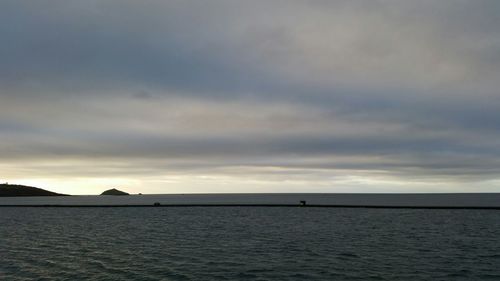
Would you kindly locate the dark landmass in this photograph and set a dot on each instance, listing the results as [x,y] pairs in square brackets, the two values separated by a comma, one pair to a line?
[13,190]
[114,191]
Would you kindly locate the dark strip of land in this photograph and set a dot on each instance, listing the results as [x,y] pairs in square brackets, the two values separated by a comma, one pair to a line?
[259,205]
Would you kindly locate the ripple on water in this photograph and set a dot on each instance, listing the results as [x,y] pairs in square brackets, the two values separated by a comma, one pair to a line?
[248,244]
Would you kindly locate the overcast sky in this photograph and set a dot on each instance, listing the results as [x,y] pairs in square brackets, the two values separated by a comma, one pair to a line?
[250,96]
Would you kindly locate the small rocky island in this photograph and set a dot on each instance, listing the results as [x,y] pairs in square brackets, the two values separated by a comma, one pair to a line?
[14,190]
[114,191]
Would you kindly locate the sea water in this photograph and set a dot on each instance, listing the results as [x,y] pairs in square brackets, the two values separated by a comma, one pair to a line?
[248,243]
[352,199]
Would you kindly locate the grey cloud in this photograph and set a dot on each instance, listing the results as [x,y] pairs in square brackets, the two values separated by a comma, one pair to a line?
[395,153]
[66,46]
[222,84]
[172,45]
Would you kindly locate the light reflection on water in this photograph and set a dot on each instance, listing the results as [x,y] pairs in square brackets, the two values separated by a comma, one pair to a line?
[231,243]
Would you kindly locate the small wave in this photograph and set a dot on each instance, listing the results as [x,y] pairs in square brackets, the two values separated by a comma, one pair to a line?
[348,255]
[492,256]
[460,273]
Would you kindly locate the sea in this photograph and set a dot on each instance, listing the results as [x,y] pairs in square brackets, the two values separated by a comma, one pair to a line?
[248,243]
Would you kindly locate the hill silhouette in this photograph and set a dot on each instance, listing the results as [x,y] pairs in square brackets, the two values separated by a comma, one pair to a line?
[13,190]
[114,191]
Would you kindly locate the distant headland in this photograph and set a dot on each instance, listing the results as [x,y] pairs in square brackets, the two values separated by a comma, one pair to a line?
[13,190]
[114,191]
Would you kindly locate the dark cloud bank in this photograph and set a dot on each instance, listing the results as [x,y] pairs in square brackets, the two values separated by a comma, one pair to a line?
[385,92]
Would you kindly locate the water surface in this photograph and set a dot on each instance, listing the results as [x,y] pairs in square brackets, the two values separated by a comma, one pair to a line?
[353,199]
[248,243]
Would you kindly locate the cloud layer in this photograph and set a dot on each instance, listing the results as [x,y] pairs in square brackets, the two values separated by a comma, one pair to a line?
[176,96]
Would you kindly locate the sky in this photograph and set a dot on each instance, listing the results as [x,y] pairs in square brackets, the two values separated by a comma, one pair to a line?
[250,96]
